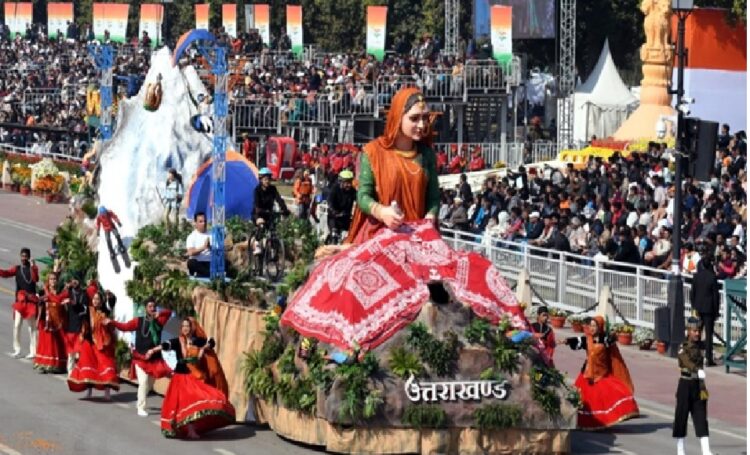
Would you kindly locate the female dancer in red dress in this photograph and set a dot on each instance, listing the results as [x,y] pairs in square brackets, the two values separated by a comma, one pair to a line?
[604,381]
[50,351]
[191,407]
[96,366]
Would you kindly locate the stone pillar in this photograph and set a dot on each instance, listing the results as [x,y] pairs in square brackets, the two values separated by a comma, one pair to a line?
[657,55]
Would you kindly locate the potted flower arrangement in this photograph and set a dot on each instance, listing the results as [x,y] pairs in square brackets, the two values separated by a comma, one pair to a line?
[557,317]
[20,175]
[47,179]
[576,322]
[643,337]
[48,187]
[26,186]
[624,333]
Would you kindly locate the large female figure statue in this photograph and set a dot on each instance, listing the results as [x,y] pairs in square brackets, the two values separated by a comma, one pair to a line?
[394,260]
[398,176]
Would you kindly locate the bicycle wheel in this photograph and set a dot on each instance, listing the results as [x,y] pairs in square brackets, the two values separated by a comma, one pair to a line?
[274,259]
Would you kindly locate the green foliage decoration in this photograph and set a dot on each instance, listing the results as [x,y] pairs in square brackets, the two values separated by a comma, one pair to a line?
[545,383]
[123,355]
[497,416]
[76,258]
[360,402]
[478,331]
[299,237]
[404,363]
[440,356]
[424,416]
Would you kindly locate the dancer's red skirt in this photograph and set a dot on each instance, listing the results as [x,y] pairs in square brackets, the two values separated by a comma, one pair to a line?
[605,403]
[50,351]
[94,369]
[190,401]
[155,367]
[72,342]
[25,304]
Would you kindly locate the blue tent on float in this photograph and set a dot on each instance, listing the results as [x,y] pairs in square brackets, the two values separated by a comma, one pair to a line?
[241,180]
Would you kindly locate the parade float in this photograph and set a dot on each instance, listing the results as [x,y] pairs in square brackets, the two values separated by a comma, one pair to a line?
[437,360]
[407,346]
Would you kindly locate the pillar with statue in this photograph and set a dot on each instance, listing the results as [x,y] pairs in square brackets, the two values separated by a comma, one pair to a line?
[657,55]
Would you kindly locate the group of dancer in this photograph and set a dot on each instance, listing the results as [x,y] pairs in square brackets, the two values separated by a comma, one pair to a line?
[71,330]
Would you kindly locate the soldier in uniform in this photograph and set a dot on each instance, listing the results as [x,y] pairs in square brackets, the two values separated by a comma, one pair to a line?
[692,396]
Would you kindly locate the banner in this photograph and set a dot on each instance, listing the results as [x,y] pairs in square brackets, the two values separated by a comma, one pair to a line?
[58,16]
[229,18]
[502,33]
[201,16]
[17,15]
[152,16]
[111,17]
[249,18]
[262,18]
[294,28]
[376,31]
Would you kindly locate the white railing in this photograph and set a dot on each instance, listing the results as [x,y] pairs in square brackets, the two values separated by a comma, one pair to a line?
[35,99]
[259,116]
[572,282]
[441,84]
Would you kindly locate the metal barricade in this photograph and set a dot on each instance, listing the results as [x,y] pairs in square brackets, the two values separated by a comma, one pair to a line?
[574,283]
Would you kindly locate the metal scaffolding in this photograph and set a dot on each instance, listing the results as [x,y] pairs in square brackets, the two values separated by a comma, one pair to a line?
[103,56]
[567,76]
[451,27]
[217,58]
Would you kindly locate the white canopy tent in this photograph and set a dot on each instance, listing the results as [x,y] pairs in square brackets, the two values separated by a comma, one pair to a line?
[603,102]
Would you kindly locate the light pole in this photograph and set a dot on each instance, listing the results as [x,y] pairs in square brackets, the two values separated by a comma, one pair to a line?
[675,293]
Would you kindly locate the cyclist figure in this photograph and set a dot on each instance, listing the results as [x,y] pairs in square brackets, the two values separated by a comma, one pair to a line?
[340,203]
[266,195]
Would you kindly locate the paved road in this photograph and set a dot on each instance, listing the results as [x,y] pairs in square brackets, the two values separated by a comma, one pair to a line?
[40,416]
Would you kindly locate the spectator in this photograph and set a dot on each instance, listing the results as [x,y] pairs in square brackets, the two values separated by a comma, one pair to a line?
[198,246]
[458,217]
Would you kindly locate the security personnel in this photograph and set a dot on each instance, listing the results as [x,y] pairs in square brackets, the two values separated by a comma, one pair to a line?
[704,297]
[692,396]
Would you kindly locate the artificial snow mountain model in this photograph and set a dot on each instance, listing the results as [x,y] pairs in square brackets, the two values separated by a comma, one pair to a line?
[144,146]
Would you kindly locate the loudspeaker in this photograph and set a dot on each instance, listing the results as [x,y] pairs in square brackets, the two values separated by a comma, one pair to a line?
[661,324]
[700,143]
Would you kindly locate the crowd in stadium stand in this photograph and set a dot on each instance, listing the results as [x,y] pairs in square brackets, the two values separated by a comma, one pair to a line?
[617,209]
[44,83]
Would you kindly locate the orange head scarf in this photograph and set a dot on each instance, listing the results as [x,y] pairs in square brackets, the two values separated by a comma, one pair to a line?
[396,113]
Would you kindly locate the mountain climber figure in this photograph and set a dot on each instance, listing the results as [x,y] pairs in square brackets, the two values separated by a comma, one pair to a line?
[106,219]
[153,95]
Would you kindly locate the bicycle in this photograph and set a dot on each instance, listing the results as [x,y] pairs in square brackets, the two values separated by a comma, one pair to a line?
[271,259]
[334,237]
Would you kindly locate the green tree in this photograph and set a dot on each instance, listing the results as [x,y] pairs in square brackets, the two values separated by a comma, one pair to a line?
[433,18]
[403,18]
